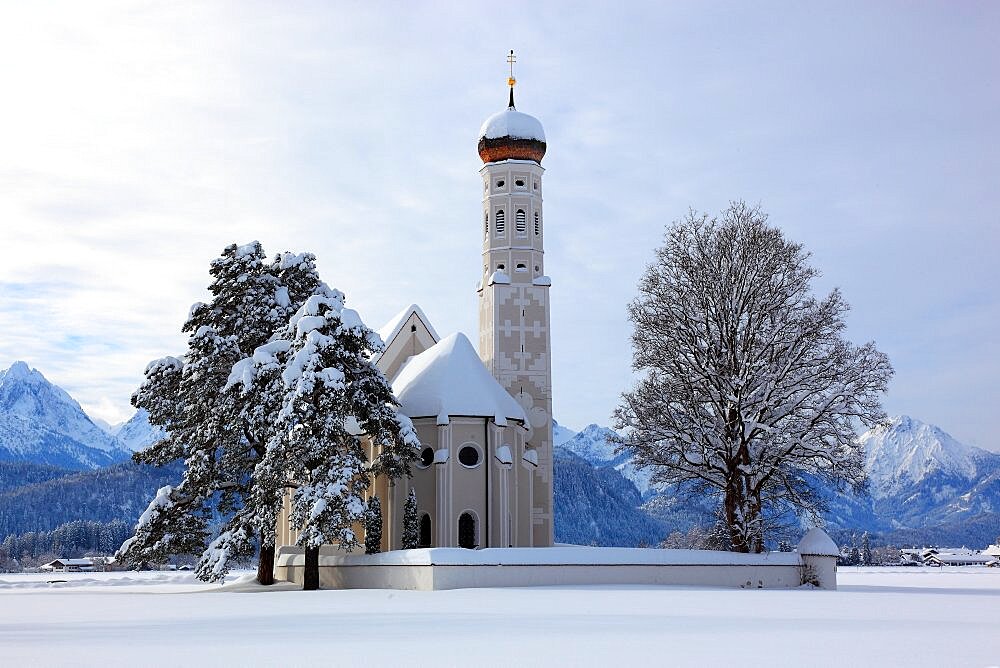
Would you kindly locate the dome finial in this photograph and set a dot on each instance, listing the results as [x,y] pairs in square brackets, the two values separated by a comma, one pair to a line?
[511,58]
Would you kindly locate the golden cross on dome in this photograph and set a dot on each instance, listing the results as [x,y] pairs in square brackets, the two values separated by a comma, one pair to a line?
[511,59]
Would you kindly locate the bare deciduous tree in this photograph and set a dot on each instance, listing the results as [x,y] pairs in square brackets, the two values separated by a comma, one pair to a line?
[747,384]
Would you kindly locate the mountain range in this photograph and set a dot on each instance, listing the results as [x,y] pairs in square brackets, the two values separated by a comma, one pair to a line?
[925,486]
[41,423]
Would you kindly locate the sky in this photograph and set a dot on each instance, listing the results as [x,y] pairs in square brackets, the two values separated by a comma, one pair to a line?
[137,140]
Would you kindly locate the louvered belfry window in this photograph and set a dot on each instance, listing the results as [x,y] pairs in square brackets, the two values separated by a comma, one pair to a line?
[500,223]
[521,223]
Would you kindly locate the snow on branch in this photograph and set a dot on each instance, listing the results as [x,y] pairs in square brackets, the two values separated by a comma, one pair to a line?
[746,380]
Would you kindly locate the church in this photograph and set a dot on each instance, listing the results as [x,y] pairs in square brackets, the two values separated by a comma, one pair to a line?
[483,477]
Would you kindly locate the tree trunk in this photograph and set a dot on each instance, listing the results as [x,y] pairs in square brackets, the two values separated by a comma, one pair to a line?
[756,510]
[265,564]
[310,577]
[732,501]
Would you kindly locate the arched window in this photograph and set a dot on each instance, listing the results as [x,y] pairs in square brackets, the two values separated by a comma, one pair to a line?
[486,224]
[425,530]
[521,223]
[538,225]
[500,222]
[467,531]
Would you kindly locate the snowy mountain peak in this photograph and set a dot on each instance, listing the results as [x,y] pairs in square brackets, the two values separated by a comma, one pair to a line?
[17,370]
[26,392]
[907,451]
[40,422]
[561,433]
[592,443]
[137,434]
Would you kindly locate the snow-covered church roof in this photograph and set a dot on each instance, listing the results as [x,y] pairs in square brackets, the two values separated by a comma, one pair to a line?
[512,123]
[449,379]
[511,135]
[390,329]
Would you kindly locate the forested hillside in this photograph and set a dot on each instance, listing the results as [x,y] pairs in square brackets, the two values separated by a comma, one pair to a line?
[39,498]
[598,506]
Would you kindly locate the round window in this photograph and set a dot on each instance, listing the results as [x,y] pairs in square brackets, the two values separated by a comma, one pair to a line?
[427,457]
[519,183]
[500,184]
[469,455]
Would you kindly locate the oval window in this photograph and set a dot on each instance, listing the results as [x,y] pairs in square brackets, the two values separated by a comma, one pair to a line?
[500,184]
[469,455]
[519,183]
[426,457]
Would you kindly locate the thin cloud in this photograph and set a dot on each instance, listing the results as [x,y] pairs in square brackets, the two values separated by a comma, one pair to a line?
[139,140]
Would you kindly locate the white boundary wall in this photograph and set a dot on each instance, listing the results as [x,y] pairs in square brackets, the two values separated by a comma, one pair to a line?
[455,568]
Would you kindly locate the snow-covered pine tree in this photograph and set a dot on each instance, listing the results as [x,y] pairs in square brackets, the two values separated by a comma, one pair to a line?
[317,379]
[373,526]
[855,557]
[748,386]
[866,550]
[208,427]
[411,528]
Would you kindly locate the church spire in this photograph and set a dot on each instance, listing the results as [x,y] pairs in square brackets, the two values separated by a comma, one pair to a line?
[511,58]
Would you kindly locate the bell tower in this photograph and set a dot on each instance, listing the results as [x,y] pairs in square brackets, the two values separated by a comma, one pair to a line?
[514,340]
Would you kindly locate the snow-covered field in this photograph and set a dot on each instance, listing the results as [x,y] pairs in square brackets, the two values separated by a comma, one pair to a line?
[879,617]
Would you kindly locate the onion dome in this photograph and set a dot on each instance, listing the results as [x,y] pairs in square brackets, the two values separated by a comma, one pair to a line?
[511,135]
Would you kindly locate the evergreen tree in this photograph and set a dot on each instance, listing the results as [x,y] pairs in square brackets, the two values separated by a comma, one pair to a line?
[411,530]
[373,526]
[855,557]
[207,427]
[866,550]
[316,389]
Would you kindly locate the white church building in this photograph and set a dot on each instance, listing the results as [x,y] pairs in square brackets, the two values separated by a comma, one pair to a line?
[484,474]
[484,477]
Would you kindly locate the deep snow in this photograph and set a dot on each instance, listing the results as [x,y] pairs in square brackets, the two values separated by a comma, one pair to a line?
[879,617]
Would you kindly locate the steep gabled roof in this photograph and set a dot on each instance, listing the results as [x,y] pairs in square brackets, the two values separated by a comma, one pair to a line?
[389,330]
[449,379]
